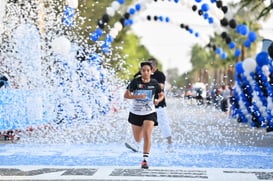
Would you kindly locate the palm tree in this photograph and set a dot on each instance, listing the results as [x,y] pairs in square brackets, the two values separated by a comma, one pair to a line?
[200,60]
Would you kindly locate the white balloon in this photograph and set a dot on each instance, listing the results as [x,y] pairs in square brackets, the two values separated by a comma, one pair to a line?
[265,70]
[175,22]
[72,3]
[113,32]
[61,45]
[259,103]
[219,14]
[249,65]
[110,11]
[189,4]
[205,40]
[118,26]
[269,103]
[212,11]
[115,5]
[141,2]
[244,111]
[182,2]
[143,7]
[217,27]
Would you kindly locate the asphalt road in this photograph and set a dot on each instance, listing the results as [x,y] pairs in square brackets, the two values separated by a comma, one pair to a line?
[208,145]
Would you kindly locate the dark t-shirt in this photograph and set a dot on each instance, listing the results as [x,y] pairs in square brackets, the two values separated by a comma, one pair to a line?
[160,77]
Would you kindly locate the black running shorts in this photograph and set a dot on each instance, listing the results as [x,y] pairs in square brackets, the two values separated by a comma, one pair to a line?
[139,119]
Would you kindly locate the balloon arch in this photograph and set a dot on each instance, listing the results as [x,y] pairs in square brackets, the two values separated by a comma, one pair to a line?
[253,94]
[253,90]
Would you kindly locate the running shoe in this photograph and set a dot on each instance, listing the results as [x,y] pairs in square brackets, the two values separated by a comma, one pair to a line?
[132,147]
[144,164]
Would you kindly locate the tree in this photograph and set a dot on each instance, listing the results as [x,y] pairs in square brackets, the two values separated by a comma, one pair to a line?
[264,11]
[133,53]
[126,50]
[216,65]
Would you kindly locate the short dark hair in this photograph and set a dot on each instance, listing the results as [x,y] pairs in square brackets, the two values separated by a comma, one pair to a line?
[146,63]
[153,61]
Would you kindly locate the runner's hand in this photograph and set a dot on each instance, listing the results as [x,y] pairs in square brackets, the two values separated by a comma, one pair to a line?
[156,102]
[142,96]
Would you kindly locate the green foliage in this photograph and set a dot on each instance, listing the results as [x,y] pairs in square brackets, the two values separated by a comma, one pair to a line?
[207,59]
[199,58]
[127,52]
[135,53]
[254,5]
[185,80]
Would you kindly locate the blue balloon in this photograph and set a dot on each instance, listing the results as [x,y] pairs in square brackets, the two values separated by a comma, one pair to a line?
[95,59]
[198,1]
[238,28]
[94,37]
[132,11]
[205,7]
[68,21]
[213,1]
[109,38]
[252,36]
[218,50]
[196,34]
[244,30]
[237,52]
[206,15]
[239,67]
[96,34]
[232,45]
[68,18]
[106,43]
[161,18]
[121,1]
[211,20]
[176,1]
[99,32]
[138,7]
[167,19]
[262,59]
[191,31]
[69,11]
[224,55]
[128,22]
[106,49]
[247,43]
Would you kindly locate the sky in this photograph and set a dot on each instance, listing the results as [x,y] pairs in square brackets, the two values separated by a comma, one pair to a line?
[170,44]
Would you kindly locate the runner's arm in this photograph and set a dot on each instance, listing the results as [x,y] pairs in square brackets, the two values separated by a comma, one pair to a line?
[130,95]
[160,98]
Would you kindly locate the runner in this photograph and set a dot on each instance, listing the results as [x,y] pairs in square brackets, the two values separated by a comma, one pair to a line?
[142,115]
[163,120]
[162,116]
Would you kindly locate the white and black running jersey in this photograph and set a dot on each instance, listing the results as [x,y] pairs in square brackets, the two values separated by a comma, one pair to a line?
[143,106]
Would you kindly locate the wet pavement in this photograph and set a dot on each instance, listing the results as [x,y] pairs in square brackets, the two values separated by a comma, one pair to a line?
[208,145]
[133,173]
